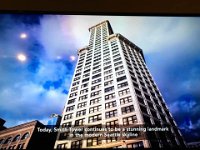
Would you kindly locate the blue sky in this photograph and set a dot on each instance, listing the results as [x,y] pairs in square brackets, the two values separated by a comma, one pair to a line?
[36,88]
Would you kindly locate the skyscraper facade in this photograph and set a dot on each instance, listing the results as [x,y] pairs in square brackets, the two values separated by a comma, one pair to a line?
[112,87]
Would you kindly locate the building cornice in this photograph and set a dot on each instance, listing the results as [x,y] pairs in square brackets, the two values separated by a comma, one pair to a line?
[18,127]
[121,37]
[98,24]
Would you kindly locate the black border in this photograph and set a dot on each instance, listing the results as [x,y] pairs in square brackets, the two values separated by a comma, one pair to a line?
[103,7]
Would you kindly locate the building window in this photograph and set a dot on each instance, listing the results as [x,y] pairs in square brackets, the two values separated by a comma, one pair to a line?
[95,109]
[110,96]
[124,92]
[120,73]
[118,55]
[129,120]
[74,89]
[77,78]
[118,63]
[106,59]
[125,100]
[110,104]
[121,85]
[95,93]
[71,101]
[96,71]
[119,68]
[86,70]
[111,114]
[68,116]
[67,124]
[108,83]
[73,94]
[93,141]
[84,80]
[127,109]
[83,97]
[107,63]
[108,89]
[111,139]
[16,138]
[80,113]
[108,71]
[96,81]
[80,122]
[83,91]
[63,135]
[138,92]
[107,67]
[70,108]
[8,140]
[121,78]
[95,118]
[84,85]
[96,76]
[76,144]
[77,74]
[87,67]
[112,124]
[95,87]
[108,77]
[135,145]
[86,75]
[25,136]
[81,105]
[95,101]
[117,59]
[79,70]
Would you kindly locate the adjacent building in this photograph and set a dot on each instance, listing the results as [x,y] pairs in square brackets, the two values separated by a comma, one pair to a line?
[27,136]
[112,87]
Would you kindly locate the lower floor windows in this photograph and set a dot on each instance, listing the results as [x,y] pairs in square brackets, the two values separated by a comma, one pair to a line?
[112,124]
[68,116]
[125,100]
[129,120]
[110,104]
[111,114]
[127,109]
[124,92]
[80,122]
[76,144]
[93,141]
[95,118]
[111,139]
[81,113]
[135,145]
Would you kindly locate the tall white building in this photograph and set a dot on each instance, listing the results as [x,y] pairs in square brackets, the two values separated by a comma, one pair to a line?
[112,87]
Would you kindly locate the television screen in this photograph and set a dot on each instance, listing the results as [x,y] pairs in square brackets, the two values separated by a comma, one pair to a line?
[96,81]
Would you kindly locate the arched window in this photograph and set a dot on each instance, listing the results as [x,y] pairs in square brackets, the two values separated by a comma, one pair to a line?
[25,136]
[8,140]
[16,138]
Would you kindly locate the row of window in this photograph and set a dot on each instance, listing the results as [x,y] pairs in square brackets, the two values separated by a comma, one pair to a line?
[97,141]
[109,114]
[114,123]
[16,138]
[108,96]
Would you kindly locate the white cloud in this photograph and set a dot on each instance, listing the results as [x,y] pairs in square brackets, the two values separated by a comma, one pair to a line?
[31,101]
[56,36]
[50,70]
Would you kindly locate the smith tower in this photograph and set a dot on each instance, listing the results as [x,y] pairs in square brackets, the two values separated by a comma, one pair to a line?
[112,87]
